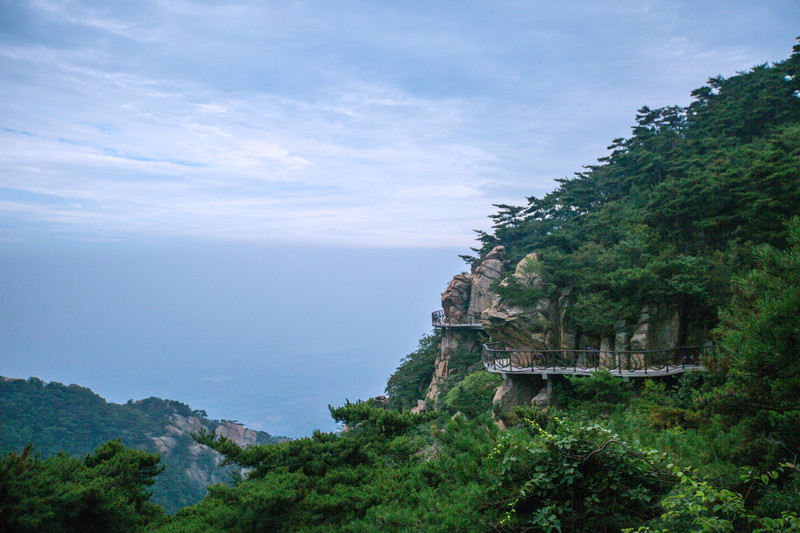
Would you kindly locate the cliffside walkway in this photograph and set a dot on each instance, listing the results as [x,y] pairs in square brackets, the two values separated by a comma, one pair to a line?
[629,364]
[440,320]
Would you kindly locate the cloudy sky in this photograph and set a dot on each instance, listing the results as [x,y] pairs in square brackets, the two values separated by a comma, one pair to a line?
[370,123]
[328,145]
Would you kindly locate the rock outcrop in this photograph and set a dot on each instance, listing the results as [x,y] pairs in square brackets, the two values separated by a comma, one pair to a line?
[239,434]
[546,324]
[488,271]
[539,324]
[199,463]
[517,326]
[464,301]
[456,297]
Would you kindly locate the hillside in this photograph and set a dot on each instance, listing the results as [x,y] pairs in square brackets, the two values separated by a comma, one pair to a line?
[55,418]
[688,232]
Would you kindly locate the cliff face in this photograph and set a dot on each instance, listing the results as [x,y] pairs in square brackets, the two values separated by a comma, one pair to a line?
[464,300]
[199,464]
[544,324]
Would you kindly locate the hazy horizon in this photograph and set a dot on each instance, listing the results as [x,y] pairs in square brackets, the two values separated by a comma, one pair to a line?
[268,336]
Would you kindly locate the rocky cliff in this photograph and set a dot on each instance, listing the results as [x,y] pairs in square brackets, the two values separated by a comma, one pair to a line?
[464,301]
[198,464]
[545,323]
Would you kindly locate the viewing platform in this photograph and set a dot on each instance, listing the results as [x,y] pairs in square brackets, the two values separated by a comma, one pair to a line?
[440,320]
[628,364]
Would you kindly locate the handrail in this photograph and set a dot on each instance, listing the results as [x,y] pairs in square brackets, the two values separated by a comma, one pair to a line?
[624,362]
[440,319]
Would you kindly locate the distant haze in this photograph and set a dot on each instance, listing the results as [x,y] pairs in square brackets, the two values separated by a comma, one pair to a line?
[266,335]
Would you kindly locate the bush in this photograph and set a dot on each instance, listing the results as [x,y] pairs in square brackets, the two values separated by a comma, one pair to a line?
[601,386]
[474,394]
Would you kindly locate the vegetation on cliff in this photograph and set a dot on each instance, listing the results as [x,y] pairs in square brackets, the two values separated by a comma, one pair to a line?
[697,209]
[674,211]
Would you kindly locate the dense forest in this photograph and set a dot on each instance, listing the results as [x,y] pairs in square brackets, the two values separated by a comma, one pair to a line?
[74,420]
[697,208]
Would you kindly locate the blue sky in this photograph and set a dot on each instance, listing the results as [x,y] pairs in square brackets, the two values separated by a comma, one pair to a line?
[172,134]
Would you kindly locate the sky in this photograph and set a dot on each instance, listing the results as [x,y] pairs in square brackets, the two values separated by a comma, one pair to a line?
[252,207]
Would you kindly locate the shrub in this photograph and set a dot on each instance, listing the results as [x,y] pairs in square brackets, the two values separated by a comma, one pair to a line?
[474,394]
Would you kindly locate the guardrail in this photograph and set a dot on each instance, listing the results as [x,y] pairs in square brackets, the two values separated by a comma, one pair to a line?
[628,363]
[440,320]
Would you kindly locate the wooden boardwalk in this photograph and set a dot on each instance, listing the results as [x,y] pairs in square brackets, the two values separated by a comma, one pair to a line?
[627,364]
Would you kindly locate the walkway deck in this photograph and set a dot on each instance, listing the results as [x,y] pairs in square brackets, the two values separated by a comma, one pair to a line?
[629,364]
[440,320]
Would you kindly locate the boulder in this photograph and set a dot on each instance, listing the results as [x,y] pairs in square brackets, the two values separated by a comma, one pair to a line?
[456,297]
[515,390]
[488,271]
[516,326]
[658,328]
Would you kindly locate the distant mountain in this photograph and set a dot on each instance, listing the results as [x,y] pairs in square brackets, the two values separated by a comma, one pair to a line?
[55,417]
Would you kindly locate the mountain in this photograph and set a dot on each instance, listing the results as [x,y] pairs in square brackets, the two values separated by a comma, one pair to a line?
[55,417]
[687,233]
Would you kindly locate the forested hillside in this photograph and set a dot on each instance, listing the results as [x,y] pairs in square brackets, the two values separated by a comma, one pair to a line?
[697,209]
[72,419]
[674,212]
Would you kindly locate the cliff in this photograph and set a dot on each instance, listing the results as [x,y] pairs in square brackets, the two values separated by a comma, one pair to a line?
[484,306]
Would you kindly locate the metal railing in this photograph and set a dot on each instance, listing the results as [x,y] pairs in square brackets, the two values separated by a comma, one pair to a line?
[628,363]
[440,320]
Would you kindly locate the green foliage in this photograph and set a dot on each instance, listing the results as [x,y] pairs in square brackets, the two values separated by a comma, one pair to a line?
[666,217]
[381,475]
[697,505]
[411,379]
[73,419]
[601,391]
[106,491]
[760,337]
[473,395]
[572,477]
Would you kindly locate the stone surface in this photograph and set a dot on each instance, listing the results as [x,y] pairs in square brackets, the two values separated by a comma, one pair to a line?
[421,406]
[543,398]
[567,336]
[607,359]
[188,424]
[665,328]
[658,328]
[465,297]
[379,401]
[516,326]
[239,434]
[491,269]
[516,390]
[174,440]
[455,299]
[642,331]
[621,339]
[453,340]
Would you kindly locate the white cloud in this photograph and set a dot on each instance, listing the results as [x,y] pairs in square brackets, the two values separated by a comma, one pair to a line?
[378,126]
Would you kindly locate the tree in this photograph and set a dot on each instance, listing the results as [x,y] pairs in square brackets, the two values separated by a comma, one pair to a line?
[760,341]
[106,491]
[411,379]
